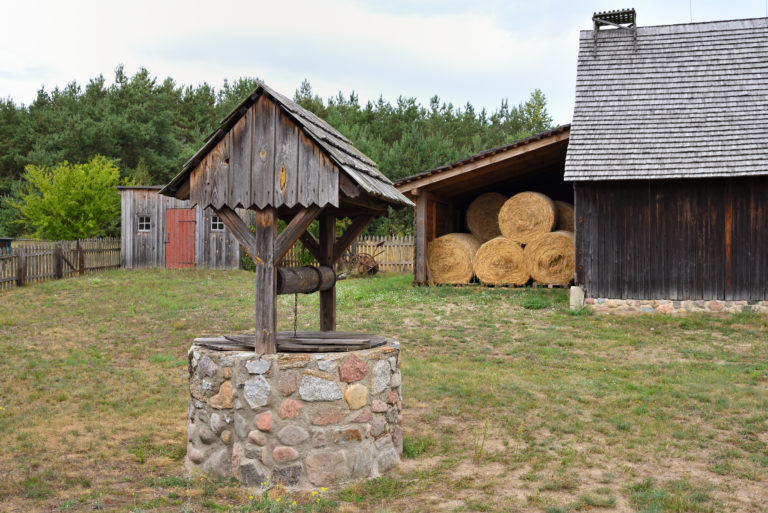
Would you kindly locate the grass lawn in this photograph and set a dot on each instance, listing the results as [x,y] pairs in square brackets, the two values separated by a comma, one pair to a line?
[511,403]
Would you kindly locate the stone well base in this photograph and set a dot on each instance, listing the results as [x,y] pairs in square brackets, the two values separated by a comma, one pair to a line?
[303,419]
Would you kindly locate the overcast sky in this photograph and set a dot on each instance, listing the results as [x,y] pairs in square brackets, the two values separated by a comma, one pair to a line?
[476,51]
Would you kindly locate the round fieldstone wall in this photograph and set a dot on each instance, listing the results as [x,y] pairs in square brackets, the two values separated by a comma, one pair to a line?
[302,419]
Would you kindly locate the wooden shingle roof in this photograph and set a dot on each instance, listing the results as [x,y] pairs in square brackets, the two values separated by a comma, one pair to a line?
[688,101]
[361,169]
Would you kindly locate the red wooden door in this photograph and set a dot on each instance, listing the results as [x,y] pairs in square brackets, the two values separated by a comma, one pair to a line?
[179,238]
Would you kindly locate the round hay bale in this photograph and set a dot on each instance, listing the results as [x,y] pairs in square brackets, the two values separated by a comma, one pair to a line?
[526,215]
[450,258]
[500,261]
[483,215]
[565,218]
[550,258]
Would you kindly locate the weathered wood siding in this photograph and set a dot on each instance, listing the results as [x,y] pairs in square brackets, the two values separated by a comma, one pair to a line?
[264,160]
[213,249]
[673,239]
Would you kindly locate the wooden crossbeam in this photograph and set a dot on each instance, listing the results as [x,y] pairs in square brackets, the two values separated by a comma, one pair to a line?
[240,231]
[295,229]
[349,236]
[310,242]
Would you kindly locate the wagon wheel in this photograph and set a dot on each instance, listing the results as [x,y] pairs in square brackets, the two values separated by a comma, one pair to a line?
[365,264]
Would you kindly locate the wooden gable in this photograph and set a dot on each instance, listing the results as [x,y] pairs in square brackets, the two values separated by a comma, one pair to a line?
[265,160]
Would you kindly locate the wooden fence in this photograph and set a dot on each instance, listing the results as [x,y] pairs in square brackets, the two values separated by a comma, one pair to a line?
[31,261]
[393,254]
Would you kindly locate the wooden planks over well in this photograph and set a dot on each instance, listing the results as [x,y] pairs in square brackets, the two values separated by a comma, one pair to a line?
[673,239]
[265,159]
[299,341]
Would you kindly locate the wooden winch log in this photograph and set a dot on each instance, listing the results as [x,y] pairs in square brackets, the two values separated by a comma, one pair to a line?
[305,280]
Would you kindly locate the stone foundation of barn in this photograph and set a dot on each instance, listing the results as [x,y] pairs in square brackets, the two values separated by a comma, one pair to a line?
[302,419]
[668,306]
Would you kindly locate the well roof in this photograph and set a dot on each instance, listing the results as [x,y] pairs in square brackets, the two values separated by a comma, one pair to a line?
[361,169]
[684,101]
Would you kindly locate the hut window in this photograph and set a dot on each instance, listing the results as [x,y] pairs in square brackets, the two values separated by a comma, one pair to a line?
[216,224]
[144,223]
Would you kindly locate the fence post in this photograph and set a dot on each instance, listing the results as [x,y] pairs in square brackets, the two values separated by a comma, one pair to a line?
[21,269]
[80,259]
[59,261]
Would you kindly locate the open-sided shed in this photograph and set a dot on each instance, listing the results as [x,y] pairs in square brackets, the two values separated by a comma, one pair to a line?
[443,194]
[669,161]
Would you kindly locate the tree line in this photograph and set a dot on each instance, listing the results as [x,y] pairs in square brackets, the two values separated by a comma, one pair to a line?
[148,128]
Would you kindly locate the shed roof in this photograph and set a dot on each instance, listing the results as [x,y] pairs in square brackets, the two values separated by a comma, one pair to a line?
[518,159]
[688,101]
[361,169]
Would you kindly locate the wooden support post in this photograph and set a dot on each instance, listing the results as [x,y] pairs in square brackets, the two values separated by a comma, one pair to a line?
[420,240]
[327,297]
[59,262]
[21,268]
[80,259]
[266,281]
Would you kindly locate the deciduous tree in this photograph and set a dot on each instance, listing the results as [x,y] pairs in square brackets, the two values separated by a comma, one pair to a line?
[71,201]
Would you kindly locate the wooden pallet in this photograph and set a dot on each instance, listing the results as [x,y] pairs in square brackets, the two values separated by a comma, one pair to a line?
[300,342]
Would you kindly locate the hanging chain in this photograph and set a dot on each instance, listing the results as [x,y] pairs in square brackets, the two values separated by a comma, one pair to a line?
[295,313]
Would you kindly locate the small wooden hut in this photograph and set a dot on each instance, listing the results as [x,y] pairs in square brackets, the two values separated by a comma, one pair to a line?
[158,231]
[279,160]
[443,194]
[669,160]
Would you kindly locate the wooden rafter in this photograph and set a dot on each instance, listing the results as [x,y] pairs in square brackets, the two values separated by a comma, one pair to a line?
[516,151]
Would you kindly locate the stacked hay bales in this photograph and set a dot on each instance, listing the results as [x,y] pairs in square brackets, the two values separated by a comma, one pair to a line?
[565,219]
[550,259]
[451,258]
[512,241]
[483,216]
[526,215]
[501,261]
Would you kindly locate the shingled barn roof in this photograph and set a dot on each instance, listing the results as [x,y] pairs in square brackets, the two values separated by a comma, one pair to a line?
[684,101]
[361,169]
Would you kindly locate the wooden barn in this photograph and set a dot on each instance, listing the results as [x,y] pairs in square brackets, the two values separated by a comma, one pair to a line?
[443,194]
[158,231]
[668,156]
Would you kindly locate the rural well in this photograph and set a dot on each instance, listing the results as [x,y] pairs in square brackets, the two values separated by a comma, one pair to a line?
[305,409]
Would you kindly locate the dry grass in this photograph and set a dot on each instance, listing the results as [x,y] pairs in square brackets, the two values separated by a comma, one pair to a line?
[646,413]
